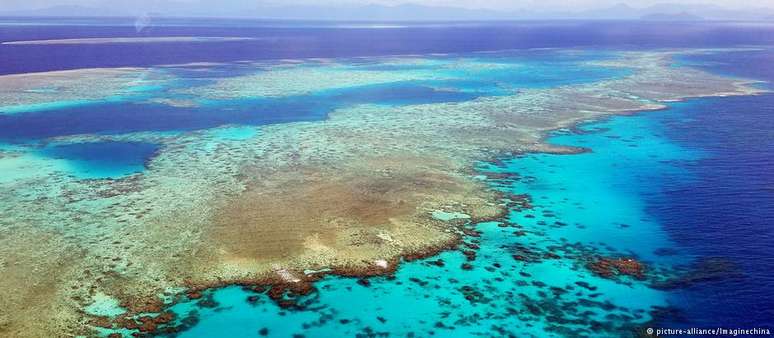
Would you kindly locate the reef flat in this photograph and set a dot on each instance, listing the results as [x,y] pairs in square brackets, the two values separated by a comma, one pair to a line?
[57,89]
[351,193]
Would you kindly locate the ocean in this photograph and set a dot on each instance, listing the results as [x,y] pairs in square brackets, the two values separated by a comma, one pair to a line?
[688,190]
[293,40]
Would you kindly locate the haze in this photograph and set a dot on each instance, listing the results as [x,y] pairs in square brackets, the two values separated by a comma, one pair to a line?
[399,9]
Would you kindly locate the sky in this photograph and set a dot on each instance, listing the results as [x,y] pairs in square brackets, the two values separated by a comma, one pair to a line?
[556,5]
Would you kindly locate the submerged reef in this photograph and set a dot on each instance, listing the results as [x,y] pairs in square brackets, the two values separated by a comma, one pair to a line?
[611,267]
[351,194]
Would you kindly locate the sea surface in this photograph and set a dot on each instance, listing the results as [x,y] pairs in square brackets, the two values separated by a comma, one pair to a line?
[688,191]
[294,40]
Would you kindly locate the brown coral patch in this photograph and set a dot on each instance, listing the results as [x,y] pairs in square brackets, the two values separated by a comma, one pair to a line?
[608,267]
[265,224]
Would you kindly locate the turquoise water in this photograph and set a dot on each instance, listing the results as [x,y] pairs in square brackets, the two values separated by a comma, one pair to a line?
[583,206]
[602,195]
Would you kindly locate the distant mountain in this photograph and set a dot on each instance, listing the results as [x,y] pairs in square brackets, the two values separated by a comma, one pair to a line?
[709,12]
[619,11]
[682,16]
[405,12]
[672,11]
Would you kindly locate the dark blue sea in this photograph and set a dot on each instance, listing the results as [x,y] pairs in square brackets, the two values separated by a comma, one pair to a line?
[727,210]
[342,39]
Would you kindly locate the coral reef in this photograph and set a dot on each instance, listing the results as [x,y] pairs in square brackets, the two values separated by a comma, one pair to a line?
[353,193]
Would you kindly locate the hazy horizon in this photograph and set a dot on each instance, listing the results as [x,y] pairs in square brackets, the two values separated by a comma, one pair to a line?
[553,5]
[397,9]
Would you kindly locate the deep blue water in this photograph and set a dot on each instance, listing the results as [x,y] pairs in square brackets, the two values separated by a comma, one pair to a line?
[124,117]
[300,40]
[753,64]
[728,209]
